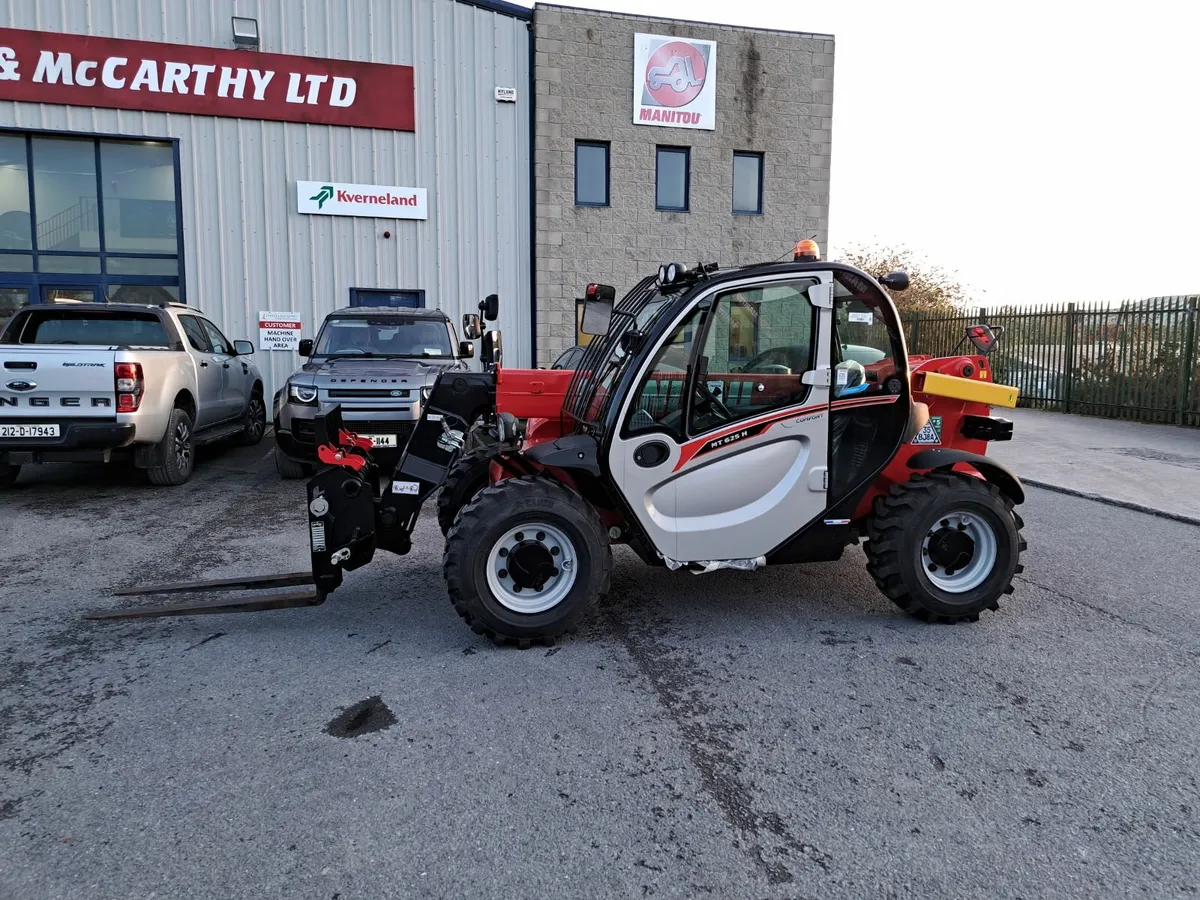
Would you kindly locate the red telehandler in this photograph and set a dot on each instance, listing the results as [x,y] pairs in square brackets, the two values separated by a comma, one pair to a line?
[719,418]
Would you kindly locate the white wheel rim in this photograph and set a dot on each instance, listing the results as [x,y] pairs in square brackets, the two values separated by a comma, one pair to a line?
[526,538]
[974,571]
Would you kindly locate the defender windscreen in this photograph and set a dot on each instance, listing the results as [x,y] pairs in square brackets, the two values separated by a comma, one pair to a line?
[385,337]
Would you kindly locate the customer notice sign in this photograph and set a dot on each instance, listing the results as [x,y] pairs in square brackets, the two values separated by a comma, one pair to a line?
[279,331]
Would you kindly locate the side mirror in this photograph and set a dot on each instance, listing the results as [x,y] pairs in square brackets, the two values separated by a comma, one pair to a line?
[472,329]
[242,348]
[490,353]
[598,308]
[466,349]
[490,307]
[895,281]
[306,347]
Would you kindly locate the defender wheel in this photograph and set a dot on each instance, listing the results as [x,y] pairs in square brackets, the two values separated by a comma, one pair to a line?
[179,451]
[288,467]
[254,421]
[526,560]
[466,478]
[945,546]
[8,475]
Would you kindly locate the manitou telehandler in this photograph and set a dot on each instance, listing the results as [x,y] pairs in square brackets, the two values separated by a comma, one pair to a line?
[735,418]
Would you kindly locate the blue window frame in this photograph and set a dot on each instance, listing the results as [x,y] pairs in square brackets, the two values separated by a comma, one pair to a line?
[387,299]
[108,221]
[672,179]
[747,184]
[591,173]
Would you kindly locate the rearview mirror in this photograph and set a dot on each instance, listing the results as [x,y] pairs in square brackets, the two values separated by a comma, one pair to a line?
[466,349]
[490,307]
[306,347]
[598,308]
[472,328]
[895,281]
[490,353]
[242,348]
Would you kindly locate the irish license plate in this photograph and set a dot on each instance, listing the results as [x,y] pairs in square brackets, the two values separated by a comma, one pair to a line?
[29,431]
[382,440]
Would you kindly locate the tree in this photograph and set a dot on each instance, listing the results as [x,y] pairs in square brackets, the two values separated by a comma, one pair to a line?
[931,288]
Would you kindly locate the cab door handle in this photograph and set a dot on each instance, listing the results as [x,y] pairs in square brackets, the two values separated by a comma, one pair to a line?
[203,364]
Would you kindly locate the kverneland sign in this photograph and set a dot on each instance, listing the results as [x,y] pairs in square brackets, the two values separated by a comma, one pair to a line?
[76,70]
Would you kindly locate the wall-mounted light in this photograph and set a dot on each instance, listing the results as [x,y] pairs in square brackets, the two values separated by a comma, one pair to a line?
[245,32]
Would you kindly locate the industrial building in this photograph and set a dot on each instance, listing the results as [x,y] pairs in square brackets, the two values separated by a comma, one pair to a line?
[256,158]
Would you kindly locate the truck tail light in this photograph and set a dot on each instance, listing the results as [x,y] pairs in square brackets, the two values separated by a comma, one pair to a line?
[129,387]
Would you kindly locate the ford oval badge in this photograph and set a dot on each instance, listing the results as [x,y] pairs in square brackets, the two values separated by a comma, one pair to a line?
[20,385]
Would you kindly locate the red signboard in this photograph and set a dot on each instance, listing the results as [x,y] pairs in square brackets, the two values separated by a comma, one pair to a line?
[77,70]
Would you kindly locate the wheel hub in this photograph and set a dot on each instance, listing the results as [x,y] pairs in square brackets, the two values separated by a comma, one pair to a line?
[531,565]
[531,568]
[951,549]
[959,551]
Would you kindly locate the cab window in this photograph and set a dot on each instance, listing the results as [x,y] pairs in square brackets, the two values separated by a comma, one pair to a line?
[659,404]
[757,346]
[867,354]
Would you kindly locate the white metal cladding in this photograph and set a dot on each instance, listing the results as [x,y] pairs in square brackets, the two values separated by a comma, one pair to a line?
[245,246]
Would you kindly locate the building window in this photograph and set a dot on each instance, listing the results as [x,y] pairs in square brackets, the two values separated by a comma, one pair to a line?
[591,173]
[747,184]
[672,174]
[87,218]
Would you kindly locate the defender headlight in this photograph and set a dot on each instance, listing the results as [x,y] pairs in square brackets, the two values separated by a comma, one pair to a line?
[426,391]
[305,394]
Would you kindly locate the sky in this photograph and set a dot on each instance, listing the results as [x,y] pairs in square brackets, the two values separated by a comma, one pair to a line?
[1041,151]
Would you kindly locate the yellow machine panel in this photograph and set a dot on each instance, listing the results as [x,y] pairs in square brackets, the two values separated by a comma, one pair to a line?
[972,391]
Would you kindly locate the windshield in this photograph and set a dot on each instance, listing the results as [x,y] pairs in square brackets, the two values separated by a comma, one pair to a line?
[388,336]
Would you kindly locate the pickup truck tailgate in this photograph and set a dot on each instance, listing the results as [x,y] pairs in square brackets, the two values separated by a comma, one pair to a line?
[45,382]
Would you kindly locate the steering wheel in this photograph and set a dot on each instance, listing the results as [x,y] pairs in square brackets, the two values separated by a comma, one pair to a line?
[711,401]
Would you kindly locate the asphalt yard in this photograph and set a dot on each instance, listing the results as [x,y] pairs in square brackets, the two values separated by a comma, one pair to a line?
[782,734]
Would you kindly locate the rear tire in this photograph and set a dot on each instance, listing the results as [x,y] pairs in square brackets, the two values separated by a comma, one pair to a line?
[178,447]
[944,546]
[254,420]
[8,475]
[555,546]
[466,478]
[287,467]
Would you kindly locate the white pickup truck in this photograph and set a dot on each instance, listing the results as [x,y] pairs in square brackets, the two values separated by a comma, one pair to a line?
[94,382]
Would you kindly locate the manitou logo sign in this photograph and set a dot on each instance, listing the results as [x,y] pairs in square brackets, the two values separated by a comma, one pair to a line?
[328,198]
[674,82]
[78,70]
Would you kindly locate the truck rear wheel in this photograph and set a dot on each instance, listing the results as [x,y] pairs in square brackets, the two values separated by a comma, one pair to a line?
[525,561]
[8,475]
[944,546]
[466,478]
[254,420]
[178,449]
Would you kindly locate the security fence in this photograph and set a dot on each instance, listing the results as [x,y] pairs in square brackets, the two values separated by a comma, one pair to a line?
[1135,361]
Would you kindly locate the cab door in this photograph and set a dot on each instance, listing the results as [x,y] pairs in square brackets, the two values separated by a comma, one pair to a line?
[722,451]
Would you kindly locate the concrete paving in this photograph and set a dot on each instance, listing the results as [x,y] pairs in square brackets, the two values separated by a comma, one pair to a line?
[1152,466]
[782,734]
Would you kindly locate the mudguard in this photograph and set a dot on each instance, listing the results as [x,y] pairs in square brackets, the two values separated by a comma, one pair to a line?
[997,474]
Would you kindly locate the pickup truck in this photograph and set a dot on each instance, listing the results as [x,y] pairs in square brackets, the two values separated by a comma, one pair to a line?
[379,365]
[96,382]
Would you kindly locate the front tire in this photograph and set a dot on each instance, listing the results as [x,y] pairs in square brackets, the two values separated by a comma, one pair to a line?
[289,468]
[8,475]
[254,421]
[944,546]
[179,451]
[526,560]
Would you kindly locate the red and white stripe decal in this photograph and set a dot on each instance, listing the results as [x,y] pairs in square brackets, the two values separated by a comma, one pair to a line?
[691,448]
[864,401]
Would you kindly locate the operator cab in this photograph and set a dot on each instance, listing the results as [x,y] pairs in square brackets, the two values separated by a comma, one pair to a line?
[736,402]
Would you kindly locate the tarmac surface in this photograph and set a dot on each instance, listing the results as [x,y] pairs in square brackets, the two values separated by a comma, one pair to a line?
[781,734]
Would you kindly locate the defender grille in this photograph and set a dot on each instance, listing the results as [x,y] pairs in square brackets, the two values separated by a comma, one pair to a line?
[381,393]
[596,369]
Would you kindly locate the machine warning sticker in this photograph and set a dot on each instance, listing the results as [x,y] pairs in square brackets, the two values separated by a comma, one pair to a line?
[405,487]
[318,536]
[863,318]
[931,433]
